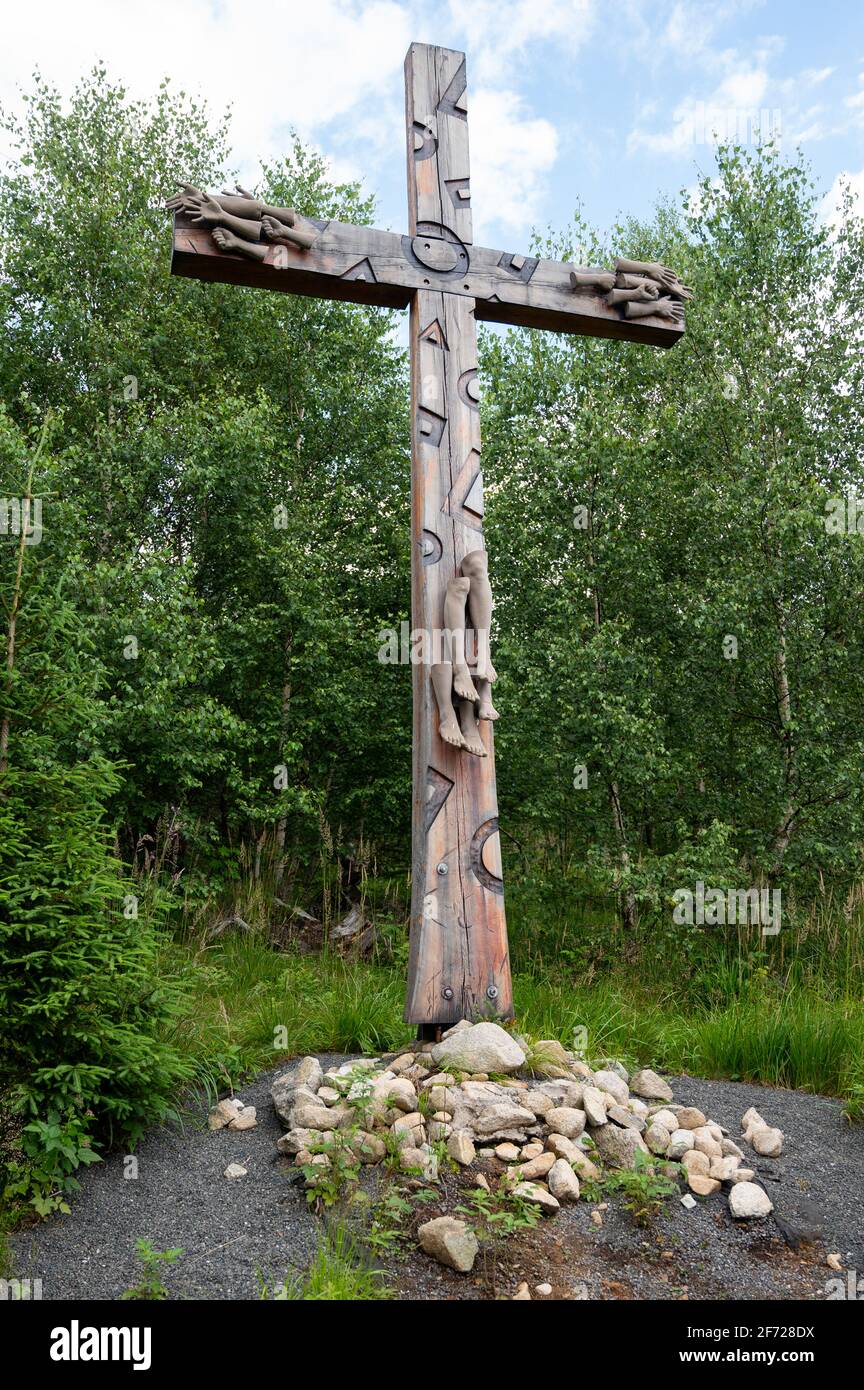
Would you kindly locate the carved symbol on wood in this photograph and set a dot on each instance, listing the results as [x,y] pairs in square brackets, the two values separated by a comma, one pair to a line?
[464,501]
[428,232]
[520,267]
[432,548]
[425,140]
[430,426]
[453,101]
[434,253]
[434,334]
[460,192]
[485,855]
[361,271]
[438,788]
[469,388]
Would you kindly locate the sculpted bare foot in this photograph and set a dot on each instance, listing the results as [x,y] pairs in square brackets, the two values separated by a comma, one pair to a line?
[450,732]
[442,685]
[485,670]
[470,733]
[274,230]
[463,684]
[226,241]
[486,709]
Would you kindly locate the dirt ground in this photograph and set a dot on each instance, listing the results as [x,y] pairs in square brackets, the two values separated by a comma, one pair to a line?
[240,1236]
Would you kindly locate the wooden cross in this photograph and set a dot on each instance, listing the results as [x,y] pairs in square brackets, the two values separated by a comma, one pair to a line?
[459,964]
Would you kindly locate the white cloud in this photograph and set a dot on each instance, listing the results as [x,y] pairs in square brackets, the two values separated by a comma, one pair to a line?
[499,31]
[287,64]
[830,209]
[511,152]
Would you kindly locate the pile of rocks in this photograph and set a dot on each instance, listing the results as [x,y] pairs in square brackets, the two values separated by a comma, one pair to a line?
[478,1091]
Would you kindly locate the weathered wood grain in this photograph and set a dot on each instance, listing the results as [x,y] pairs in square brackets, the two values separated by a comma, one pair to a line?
[458,963]
[364,266]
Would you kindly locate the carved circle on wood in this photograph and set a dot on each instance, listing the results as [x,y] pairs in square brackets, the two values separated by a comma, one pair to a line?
[435,247]
[485,855]
[431,547]
[469,388]
[436,254]
[424,139]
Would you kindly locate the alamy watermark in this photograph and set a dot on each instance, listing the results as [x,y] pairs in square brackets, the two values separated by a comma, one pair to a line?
[850,1287]
[21,516]
[719,907]
[419,646]
[844,516]
[737,125]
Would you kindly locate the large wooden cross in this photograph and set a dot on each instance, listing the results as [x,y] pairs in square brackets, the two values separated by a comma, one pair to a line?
[459,964]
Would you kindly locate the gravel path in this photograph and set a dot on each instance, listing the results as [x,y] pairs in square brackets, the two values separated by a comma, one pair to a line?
[237,1234]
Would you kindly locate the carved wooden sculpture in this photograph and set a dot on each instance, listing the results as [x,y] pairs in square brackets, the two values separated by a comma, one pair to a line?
[458,964]
[643,289]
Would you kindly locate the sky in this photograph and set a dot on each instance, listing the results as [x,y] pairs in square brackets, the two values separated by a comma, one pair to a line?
[602,104]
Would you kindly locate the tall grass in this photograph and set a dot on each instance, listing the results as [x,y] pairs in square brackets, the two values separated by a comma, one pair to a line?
[249,1006]
[339,1272]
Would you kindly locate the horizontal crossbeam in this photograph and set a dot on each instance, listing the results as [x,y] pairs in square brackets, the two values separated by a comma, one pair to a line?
[364,266]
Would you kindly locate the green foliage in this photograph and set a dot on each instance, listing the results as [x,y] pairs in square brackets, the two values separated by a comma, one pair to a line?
[80,992]
[339,1273]
[150,1287]
[498,1214]
[53,1149]
[644,1187]
[328,1183]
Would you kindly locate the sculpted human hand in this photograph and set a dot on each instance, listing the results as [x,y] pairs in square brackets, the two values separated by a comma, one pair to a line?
[185,200]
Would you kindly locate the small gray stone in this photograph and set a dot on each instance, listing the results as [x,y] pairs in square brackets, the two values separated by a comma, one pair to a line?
[747,1199]
[396,1091]
[657,1138]
[483,1047]
[562,1092]
[245,1120]
[306,1074]
[538,1197]
[767,1142]
[667,1118]
[235,1170]
[620,1115]
[610,1082]
[536,1167]
[650,1086]
[594,1105]
[295,1140]
[508,1153]
[449,1241]
[689,1117]
[681,1141]
[317,1116]
[618,1147]
[460,1147]
[563,1182]
[562,1147]
[612,1064]
[561,1119]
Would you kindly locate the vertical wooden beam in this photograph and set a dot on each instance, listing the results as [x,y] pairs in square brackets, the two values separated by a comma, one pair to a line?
[459,964]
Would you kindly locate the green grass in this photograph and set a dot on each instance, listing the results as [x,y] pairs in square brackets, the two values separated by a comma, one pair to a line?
[249,1006]
[339,1272]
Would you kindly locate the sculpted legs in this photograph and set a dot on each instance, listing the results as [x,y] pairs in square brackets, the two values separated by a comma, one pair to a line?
[468,595]
[455,603]
[475,567]
[442,684]
[470,731]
